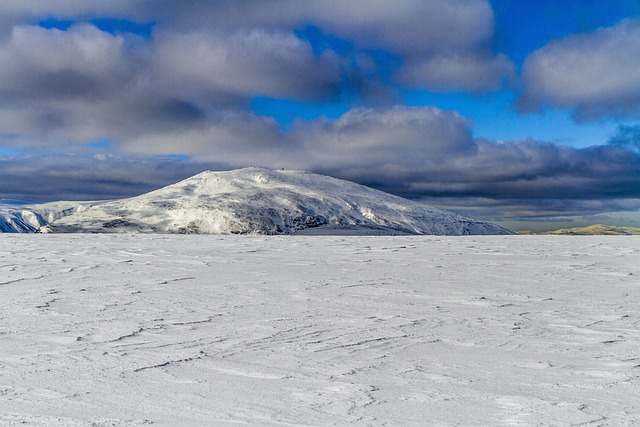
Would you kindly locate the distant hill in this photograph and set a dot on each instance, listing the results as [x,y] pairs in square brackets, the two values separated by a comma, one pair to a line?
[592,230]
[255,201]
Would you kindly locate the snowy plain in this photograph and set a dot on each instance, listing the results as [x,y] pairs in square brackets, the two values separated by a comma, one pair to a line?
[119,330]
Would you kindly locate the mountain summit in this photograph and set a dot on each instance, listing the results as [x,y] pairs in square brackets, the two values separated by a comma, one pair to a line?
[263,201]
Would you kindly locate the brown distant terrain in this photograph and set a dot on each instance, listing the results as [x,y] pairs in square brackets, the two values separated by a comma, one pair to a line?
[592,230]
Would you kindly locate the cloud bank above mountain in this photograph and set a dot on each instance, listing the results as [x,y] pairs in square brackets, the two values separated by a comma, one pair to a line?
[415,152]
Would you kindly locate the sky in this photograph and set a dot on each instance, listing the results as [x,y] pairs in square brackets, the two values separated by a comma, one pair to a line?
[521,112]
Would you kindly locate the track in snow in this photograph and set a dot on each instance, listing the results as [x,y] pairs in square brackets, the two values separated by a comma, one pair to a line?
[202,330]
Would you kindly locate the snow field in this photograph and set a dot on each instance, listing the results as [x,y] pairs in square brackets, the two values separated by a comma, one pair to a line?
[219,330]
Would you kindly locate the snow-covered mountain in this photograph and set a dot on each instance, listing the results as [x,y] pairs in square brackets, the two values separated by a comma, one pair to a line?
[31,218]
[13,220]
[260,201]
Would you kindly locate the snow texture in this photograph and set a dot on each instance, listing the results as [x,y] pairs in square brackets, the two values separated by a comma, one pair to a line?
[121,330]
[261,201]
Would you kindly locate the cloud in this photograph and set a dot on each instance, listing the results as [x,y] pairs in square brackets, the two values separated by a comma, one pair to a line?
[555,213]
[419,152]
[234,138]
[61,87]
[39,64]
[429,152]
[537,170]
[469,72]
[85,177]
[595,74]
[444,45]
[432,37]
[244,63]
[205,61]
[627,137]
[392,138]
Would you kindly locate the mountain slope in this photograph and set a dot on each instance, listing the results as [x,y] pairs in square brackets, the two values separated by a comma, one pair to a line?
[25,218]
[262,201]
[13,220]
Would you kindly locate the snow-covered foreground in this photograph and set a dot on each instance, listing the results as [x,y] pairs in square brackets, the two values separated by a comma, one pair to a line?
[209,330]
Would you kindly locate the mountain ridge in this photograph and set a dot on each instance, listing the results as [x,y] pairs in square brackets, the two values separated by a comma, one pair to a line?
[261,201]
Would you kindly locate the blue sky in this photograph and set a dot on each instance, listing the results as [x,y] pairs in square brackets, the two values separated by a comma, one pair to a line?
[526,113]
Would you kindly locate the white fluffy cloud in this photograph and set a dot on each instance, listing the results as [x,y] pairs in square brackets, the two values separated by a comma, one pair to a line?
[595,74]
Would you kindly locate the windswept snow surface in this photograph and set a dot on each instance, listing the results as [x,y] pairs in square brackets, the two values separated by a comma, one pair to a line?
[264,201]
[120,330]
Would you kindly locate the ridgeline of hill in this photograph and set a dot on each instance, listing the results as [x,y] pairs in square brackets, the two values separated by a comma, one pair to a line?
[592,230]
[249,201]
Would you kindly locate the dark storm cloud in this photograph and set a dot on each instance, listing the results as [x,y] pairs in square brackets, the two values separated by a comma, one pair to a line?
[85,177]
[552,211]
[595,74]
[430,152]
[420,153]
